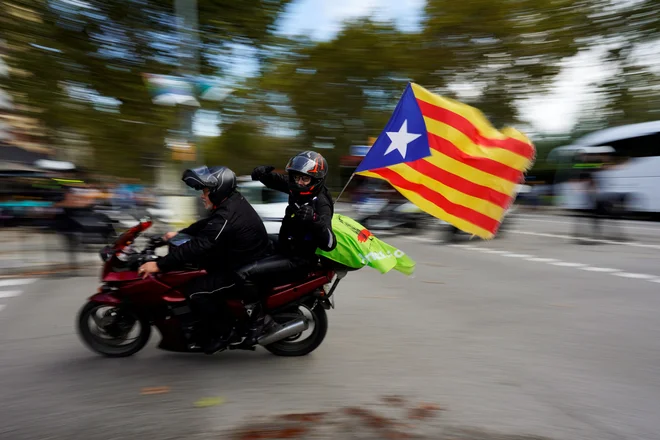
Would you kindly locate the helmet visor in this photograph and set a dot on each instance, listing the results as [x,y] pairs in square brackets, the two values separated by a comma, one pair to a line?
[304,165]
[198,178]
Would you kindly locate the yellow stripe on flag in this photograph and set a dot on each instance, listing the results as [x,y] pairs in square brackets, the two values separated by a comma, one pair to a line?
[466,145]
[475,116]
[480,205]
[467,172]
[516,134]
[435,211]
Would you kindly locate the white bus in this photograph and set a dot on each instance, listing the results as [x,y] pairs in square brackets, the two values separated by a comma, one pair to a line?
[631,176]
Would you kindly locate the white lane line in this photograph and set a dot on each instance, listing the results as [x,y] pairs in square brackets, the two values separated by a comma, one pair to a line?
[465,246]
[593,240]
[542,220]
[559,263]
[600,269]
[2,306]
[10,293]
[567,264]
[542,260]
[637,276]
[422,239]
[17,282]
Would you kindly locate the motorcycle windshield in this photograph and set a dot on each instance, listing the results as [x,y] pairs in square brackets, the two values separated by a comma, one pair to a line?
[131,234]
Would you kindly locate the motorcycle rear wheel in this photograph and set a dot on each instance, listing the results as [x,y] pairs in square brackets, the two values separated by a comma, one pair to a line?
[114,327]
[291,346]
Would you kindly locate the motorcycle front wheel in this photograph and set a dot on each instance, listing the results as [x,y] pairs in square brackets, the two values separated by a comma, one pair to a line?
[305,342]
[107,330]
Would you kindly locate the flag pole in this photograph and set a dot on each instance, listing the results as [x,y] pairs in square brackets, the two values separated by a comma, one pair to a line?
[344,188]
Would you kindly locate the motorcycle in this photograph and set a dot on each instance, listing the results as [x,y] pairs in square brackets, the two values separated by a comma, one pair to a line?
[125,301]
[381,214]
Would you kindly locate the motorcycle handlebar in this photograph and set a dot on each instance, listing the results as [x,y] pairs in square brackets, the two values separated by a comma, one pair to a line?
[156,241]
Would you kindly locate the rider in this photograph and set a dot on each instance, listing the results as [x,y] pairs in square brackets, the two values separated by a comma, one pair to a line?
[232,235]
[307,222]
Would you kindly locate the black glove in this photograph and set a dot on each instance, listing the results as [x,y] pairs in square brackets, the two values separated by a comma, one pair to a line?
[306,214]
[261,171]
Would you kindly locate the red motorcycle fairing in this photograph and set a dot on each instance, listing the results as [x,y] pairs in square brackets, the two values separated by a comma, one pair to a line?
[160,293]
[144,292]
[287,293]
[152,290]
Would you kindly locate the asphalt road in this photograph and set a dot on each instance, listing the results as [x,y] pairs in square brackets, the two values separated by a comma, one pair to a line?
[529,334]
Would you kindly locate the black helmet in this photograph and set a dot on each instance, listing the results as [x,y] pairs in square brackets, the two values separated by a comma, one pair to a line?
[220,180]
[308,163]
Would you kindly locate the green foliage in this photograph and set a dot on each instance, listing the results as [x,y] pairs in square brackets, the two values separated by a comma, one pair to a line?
[79,68]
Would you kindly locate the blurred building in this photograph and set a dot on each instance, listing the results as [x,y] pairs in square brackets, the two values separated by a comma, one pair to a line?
[22,138]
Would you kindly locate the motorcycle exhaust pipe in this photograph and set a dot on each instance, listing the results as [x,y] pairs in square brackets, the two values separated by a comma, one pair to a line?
[284,331]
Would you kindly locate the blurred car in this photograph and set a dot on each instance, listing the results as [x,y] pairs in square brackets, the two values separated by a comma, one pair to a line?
[269,204]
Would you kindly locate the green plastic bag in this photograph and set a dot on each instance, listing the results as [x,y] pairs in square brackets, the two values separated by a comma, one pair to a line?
[357,247]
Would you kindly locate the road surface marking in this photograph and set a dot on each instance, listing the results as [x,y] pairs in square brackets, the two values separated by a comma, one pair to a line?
[568,264]
[599,269]
[637,276]
[542,260]
[627,226]
[2,307]
[422,239]
[17,282]
[593,240]
[10,293]
[559,263]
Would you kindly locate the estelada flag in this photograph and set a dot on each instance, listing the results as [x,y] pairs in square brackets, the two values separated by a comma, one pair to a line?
[446,158]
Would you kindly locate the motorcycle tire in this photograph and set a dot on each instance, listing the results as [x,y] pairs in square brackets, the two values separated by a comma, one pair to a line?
[303,348]
[92,342]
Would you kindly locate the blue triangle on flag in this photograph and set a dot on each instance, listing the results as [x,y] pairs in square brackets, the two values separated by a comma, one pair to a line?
[404,138]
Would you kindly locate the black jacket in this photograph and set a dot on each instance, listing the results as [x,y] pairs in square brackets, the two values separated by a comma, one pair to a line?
[233,235]
[298,238]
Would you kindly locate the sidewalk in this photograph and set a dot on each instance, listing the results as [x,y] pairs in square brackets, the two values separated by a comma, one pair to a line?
[34,252]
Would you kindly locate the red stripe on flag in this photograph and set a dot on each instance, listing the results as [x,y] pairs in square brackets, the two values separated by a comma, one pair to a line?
[464,125]
[460,184]
[467,214]
[481,163]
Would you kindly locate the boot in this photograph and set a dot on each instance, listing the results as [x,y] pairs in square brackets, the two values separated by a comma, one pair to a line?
[215,345]
[216,340]
[255,325]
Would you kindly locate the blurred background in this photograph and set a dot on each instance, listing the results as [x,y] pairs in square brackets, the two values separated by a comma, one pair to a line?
[108,101]
[121,96]
[103,104]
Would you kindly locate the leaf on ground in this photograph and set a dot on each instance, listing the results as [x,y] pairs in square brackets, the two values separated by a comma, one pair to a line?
[209,401]
[154,390]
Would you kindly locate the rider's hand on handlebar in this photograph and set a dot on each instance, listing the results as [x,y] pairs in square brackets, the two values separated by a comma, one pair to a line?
[169,235]
[148,268]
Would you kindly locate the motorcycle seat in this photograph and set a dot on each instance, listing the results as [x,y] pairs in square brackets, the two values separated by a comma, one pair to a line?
[273,264]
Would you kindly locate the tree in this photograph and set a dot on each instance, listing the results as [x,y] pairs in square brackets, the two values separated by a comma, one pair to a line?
[83,62]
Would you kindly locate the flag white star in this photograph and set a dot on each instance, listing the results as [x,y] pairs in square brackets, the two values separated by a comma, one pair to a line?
[400,140]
